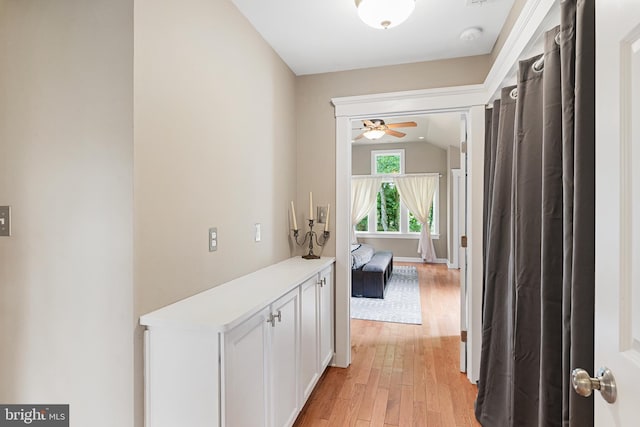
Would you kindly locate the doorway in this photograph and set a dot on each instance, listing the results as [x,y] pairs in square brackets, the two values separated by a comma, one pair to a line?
[467,100]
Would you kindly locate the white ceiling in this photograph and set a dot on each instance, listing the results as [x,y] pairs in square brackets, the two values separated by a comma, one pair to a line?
[440,129]
[317,36]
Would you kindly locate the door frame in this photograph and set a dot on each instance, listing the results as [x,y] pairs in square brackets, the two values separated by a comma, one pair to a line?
[456,214]
[524,37]
[465,99]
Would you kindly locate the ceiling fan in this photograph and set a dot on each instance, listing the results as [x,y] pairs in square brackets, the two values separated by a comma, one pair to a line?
[377,128]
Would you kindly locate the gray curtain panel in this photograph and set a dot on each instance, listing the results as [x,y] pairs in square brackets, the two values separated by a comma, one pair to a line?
[552,377]
[496,364]
[577,52]
[539,250]
[525,231]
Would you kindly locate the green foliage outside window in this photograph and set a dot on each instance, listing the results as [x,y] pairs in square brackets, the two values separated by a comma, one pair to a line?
[416,227]
[388,164]
[388,200]
[388,208]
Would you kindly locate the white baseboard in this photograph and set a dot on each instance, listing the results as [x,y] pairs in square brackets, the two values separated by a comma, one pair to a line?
[406,259]
[410,259]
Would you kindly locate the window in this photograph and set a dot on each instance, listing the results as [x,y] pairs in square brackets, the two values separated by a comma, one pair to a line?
[390,216]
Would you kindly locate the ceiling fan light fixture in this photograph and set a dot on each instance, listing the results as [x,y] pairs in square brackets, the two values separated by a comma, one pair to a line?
[383,14]
[374,134]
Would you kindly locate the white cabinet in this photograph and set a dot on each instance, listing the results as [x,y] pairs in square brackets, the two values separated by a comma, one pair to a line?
[309,337]
[317,328]
[245,373]
[246,353]
[283,375]
[260,358]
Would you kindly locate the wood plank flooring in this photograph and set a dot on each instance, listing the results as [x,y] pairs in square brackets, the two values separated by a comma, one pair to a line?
[401,375]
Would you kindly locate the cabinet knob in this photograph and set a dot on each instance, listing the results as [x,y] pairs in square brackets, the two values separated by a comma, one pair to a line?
[322,282]
[271,319]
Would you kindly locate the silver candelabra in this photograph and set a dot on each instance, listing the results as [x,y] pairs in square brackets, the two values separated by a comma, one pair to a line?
[311,236]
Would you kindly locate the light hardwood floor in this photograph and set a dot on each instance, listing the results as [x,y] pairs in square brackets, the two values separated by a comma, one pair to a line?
[401,375]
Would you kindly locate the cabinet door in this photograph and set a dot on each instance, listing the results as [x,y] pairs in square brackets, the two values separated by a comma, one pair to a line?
[326,317]
[284,359]
[245,373]
[309,336]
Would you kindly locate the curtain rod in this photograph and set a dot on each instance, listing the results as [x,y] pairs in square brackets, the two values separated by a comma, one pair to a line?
[395,175]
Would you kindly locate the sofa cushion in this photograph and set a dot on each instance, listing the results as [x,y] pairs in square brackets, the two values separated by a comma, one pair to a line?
[361,255]
[379,262]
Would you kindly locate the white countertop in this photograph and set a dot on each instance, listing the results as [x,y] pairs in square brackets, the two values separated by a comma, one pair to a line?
[221,308]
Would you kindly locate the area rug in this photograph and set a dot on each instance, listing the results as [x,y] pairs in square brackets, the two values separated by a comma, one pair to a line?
[401,303]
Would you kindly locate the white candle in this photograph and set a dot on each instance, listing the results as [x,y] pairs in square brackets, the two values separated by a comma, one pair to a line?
[326,222]
[293,213]
[310,205]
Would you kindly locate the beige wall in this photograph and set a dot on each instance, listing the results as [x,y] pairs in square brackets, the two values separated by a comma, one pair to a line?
[214,147]
[66,165]
[512,17]
[316,134]
[420,157]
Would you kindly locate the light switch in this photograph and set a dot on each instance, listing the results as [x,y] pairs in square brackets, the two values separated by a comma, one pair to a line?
[258,232]
[5,221]
[321,214]
[213,239]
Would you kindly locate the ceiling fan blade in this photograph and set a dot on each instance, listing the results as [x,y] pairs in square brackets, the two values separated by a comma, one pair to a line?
[359,136]
[402,125]
[394,133]
[368,123]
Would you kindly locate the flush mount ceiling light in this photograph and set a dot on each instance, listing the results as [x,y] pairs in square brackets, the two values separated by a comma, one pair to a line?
[383,14]
[471,34]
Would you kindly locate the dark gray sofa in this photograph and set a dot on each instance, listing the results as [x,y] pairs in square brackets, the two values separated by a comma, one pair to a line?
[370,271]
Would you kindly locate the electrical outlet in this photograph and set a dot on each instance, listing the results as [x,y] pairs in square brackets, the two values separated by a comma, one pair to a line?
[213,239]
[5,221]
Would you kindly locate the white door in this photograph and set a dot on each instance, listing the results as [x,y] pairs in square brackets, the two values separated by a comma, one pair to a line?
[457,218]
[462,250]
[617,311]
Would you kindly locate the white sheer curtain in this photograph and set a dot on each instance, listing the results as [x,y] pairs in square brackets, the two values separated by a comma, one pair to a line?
[363,196]
[416,191]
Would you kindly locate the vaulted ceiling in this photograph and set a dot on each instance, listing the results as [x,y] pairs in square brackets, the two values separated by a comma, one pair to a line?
[440,129]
